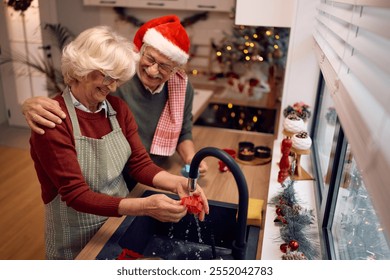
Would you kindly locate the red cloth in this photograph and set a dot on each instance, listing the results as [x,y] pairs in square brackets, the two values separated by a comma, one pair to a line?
[193,203]
[128,254]
[170,123]
[58,170]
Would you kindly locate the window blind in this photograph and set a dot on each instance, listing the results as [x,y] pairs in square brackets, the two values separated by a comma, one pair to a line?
[352,45]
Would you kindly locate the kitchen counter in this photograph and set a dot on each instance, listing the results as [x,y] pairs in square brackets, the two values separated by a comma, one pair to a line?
[219,186]
[201,100]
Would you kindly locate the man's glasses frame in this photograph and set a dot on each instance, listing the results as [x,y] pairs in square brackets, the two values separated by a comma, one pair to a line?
[163,68]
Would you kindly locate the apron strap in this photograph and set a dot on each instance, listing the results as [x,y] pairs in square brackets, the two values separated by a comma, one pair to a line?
[72,112]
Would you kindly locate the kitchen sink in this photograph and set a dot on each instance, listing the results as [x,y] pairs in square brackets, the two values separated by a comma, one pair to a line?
[213,238]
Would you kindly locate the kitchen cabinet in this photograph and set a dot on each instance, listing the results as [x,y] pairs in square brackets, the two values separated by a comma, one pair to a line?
[201,5]
[108,3]
[210,5]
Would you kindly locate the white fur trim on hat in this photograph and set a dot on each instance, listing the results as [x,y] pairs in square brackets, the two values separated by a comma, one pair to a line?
[154,38]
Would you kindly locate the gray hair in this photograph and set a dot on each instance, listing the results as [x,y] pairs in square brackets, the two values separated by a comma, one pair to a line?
[99,48]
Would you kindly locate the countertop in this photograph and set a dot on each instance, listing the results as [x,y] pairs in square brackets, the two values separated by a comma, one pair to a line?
[217,185]
[201,100]
[305,195]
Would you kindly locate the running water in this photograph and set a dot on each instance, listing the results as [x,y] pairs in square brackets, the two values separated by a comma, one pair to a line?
[198,229]
[171,247]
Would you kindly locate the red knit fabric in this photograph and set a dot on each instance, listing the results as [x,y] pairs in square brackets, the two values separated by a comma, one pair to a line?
[58,170]
[169,126]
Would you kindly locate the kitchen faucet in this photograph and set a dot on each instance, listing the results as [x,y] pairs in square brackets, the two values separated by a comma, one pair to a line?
[239,245]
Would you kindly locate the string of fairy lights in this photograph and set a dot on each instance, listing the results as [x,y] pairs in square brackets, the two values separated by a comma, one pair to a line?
[251,44]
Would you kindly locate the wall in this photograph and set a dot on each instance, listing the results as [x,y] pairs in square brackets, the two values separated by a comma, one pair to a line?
[77,17]
[302,71]
[201,33]
[3,112]
[300,84]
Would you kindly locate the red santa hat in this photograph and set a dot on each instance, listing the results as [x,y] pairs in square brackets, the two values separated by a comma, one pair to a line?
[167,35]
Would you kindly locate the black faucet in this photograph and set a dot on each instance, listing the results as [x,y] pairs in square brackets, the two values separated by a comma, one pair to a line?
[239,245]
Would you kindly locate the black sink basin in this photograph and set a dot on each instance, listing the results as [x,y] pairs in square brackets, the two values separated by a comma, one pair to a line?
[188,239]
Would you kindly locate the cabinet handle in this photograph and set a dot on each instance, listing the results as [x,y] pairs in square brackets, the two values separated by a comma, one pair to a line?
[207,6]
[155,4]
[107,2]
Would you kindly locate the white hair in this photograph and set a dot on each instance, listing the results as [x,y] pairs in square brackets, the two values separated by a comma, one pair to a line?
[99,48]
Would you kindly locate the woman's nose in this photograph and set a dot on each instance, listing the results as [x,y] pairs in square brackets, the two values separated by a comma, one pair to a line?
[113,86]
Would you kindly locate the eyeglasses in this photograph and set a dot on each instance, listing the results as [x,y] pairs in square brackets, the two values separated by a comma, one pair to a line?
[163,68]
[107,80]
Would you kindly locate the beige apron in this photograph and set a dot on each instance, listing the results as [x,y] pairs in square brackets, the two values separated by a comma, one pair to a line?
[67,231]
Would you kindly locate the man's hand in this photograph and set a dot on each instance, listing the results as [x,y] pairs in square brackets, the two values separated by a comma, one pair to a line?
[43,111]
[203,168]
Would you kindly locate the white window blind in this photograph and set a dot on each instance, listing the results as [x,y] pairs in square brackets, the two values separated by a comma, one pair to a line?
[352,44]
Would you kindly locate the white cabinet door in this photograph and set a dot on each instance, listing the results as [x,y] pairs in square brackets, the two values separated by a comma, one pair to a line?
[108,3]
[150,4]
[276,13]
[211,5]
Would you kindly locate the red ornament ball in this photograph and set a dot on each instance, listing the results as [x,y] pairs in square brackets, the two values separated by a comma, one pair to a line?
[279,211]
[294,245]
[284,247]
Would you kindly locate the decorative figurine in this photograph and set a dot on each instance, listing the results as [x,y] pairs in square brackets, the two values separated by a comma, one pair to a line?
[284,164]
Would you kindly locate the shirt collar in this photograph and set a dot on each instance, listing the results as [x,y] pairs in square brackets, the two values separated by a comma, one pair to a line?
[77,104]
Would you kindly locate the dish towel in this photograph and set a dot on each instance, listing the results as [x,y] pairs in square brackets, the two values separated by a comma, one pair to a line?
[169,126]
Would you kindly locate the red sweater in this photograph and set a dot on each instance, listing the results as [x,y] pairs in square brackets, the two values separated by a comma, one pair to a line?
[59,172]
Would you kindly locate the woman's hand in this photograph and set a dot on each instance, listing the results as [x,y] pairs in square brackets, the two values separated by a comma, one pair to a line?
[178,185]
[158,206]
[43,111]
[163,208]
[182,191]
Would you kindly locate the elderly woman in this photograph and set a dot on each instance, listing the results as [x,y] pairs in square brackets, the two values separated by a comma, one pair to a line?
[79,164]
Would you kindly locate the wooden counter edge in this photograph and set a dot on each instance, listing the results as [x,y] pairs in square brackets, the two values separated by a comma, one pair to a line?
[95,245]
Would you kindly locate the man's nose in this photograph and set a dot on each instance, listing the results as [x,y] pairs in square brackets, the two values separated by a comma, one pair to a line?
[153,69]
